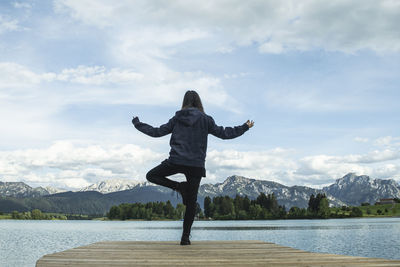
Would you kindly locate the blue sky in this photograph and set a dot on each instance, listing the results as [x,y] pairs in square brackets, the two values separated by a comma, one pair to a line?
[320,80]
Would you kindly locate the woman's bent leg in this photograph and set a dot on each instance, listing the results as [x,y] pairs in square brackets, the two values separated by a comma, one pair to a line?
[158,174]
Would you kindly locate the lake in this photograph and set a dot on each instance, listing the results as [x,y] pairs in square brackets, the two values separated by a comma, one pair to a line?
[22,243]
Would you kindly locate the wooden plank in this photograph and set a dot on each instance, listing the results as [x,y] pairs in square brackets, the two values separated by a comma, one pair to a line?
[200,253]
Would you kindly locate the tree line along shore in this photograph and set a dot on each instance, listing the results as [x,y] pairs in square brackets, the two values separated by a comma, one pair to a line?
[264,207]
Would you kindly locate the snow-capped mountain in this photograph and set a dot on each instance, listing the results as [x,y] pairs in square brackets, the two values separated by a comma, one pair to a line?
[21,189]
[288,196]
[349,190]
[355,190]
[53,190]
[113,185]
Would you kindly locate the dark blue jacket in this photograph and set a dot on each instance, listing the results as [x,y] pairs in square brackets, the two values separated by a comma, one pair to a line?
[190,128]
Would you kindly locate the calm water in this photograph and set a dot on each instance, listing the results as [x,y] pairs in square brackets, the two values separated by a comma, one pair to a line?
[23,242]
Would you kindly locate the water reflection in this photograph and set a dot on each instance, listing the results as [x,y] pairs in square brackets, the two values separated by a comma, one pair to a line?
[259,228]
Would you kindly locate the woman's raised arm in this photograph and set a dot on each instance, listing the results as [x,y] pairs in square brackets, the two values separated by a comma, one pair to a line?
[228,132]
[154,131]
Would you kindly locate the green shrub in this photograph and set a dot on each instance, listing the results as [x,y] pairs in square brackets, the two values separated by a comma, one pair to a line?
[356,212]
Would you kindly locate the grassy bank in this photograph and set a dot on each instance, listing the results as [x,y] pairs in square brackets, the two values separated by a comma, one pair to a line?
[5,216]
[386,210]
[38,215]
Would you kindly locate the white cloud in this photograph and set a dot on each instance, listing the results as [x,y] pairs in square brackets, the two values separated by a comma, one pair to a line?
[8,25]
[97,75]
[76,164]
[361,139]
[374,163]
[31,101]
[281,166]
[384,141]
[93,12]
[29,93]
[330,166]
[112,84]
[374,156]
[16,75]
[275,164]
[146,34]
[388,142]
[272,48]
[22,5]
[346,26]
[73,164]
[225,49]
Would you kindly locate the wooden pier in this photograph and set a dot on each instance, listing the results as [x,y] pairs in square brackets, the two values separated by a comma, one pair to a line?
[200,253]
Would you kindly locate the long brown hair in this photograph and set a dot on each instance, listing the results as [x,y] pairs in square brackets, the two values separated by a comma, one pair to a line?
[192,99]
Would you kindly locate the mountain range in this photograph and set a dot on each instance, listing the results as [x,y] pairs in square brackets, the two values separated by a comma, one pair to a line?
[97,198]
[113,185]
[20,189]
[354,190]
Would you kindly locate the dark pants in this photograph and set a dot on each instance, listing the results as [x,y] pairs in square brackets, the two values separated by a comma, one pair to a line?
[158,175]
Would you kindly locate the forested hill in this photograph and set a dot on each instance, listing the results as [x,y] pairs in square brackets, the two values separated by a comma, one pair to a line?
[89,202]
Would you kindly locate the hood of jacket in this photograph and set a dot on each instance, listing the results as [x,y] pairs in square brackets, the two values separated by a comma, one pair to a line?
[188,116]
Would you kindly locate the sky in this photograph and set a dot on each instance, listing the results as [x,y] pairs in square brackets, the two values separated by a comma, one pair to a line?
[320,79]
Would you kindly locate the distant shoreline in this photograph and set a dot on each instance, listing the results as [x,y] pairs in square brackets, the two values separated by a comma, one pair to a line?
[126,212]
[8,217]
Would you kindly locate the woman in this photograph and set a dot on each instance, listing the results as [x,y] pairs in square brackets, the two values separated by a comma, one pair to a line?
[189,127]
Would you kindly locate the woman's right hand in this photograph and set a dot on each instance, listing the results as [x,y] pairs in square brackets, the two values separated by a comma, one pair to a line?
[250,123]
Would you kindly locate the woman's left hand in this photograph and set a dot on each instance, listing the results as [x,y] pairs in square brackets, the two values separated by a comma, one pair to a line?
[250,123]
